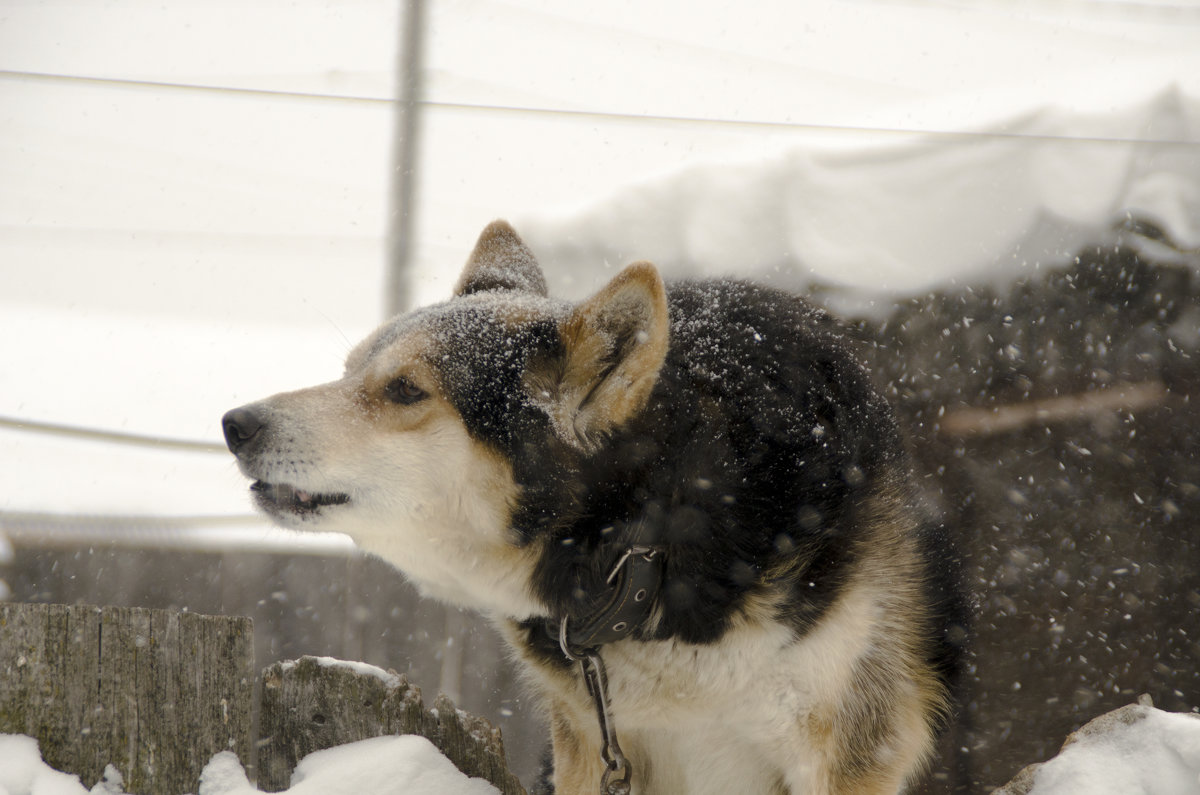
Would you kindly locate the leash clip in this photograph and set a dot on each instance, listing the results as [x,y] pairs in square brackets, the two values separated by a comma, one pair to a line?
[618,774]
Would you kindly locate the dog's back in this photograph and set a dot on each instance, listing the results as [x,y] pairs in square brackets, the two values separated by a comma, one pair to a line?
[805,586]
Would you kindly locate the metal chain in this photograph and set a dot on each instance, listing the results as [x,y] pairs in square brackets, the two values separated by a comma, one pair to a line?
[617,773]
[617,777]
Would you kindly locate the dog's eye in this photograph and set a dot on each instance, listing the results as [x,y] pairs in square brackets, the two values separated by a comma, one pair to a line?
[401,390]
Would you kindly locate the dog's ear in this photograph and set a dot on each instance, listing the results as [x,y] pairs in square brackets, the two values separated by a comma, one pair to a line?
[613,346]
[501,261]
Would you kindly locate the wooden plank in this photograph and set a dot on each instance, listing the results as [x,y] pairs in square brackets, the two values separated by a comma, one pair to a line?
[153,692]
[316,703]
[1050,411]
[348,606]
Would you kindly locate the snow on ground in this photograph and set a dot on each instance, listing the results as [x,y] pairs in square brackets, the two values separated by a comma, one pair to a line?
[404,765]
[1137,750]
[22,771]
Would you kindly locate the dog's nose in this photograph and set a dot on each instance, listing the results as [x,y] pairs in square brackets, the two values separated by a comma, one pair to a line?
[240,426]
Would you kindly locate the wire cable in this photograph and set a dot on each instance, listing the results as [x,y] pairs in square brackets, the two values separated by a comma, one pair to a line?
[112,437]
[588,114]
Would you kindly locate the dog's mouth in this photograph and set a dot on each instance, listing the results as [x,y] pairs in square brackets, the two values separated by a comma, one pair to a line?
[281,498]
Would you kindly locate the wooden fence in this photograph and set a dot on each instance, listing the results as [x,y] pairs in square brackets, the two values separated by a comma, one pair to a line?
[157,693]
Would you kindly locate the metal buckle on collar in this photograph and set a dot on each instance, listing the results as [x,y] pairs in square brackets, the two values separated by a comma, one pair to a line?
[632,583]
[647,554]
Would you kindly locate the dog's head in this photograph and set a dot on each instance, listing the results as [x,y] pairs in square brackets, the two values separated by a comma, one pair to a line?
[411,451]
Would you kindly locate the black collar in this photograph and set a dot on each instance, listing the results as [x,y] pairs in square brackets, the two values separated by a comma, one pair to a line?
[632,587]
[625,600]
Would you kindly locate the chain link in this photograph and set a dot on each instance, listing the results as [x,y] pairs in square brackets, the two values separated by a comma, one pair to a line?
[617,772]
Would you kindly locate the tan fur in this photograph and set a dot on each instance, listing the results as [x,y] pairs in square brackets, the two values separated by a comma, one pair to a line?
[429,498]
[616,342]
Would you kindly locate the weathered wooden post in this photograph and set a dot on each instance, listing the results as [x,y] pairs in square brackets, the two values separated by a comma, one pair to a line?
[315,703]
[153,692]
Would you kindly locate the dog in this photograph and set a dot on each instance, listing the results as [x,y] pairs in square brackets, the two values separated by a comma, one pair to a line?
[686,508]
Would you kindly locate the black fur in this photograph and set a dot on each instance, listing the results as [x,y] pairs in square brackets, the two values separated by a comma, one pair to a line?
[713,452]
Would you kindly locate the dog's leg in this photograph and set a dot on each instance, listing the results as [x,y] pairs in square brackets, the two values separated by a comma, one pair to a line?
[577,762]
[862,748]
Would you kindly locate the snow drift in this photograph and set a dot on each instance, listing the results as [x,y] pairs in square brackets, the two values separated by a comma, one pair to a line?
[404,765]
[988,206]
[1135,750]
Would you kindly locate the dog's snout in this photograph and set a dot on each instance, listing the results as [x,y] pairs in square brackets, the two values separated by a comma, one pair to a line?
[241,425]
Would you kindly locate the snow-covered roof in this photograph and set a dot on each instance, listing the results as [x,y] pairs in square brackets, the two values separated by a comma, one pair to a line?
[986,206]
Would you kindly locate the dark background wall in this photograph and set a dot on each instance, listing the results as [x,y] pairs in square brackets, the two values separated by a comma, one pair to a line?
[1057,425]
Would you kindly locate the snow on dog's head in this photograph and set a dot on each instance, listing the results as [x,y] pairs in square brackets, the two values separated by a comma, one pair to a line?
[411,452]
